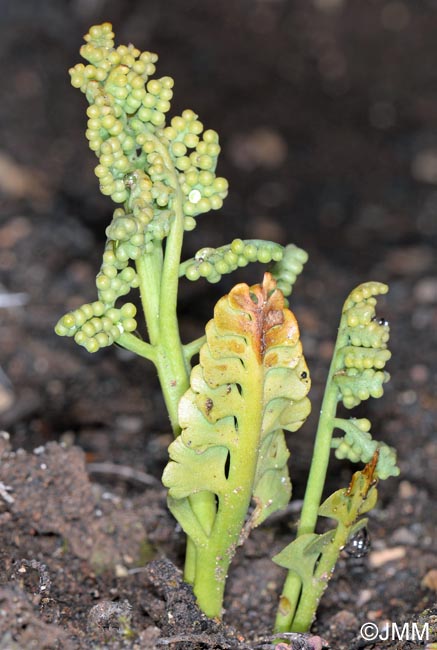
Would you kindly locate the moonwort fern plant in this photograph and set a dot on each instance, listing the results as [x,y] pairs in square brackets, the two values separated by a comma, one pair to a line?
[228,463]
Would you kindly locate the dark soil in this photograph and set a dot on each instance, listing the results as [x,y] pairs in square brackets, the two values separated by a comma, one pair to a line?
[327,111]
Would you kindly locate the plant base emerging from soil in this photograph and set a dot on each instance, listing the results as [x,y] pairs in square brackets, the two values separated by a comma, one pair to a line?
[229,412]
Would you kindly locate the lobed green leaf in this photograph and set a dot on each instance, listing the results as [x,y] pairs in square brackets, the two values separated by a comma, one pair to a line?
[251,382]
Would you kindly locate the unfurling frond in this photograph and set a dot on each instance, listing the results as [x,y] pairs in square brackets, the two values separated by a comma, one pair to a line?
[359,373]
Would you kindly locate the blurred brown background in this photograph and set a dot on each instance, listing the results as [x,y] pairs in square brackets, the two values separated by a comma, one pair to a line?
[327,111]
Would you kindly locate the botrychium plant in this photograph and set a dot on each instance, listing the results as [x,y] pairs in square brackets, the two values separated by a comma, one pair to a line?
[228,463]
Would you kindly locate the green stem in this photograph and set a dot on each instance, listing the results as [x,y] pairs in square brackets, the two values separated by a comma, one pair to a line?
[211,570]
[149,269]
[294,592]
[163,331]
[136,345]
[320,460]
[172,361]
[173,369]
[159,280]
[312,592]
[192,348]
[213,559]
[316,480]
[204,508]
[288,601]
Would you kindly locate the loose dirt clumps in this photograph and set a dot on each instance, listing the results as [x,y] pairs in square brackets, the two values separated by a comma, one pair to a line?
[73,565]
[50,493]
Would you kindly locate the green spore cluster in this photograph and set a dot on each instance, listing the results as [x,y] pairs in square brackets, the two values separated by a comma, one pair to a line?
[360,359]
[95,327]
[289,267]
[128,131]
[356,386]
[156,171]
[212,263]
[366,358]
[365,352]
[357,445]
[161,174]
[115,278]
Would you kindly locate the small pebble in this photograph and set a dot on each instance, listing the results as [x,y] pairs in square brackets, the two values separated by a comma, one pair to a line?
[107,613]
[5,444]
[429,580]
[344,620]
[424,166]
[419,373]
[379,558]
[425,291]
[262,147]
[407,397]
[121,571]
[6,398]
[149,636]
[410,259]
[364,596]
[407,490]
[68,438]
[404,536]
[129,423]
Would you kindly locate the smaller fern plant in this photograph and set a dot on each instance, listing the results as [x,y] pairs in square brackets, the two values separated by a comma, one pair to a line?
[356,374]
[228,467]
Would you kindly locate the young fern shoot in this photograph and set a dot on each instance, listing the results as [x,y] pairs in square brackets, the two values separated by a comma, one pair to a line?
[356,373]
